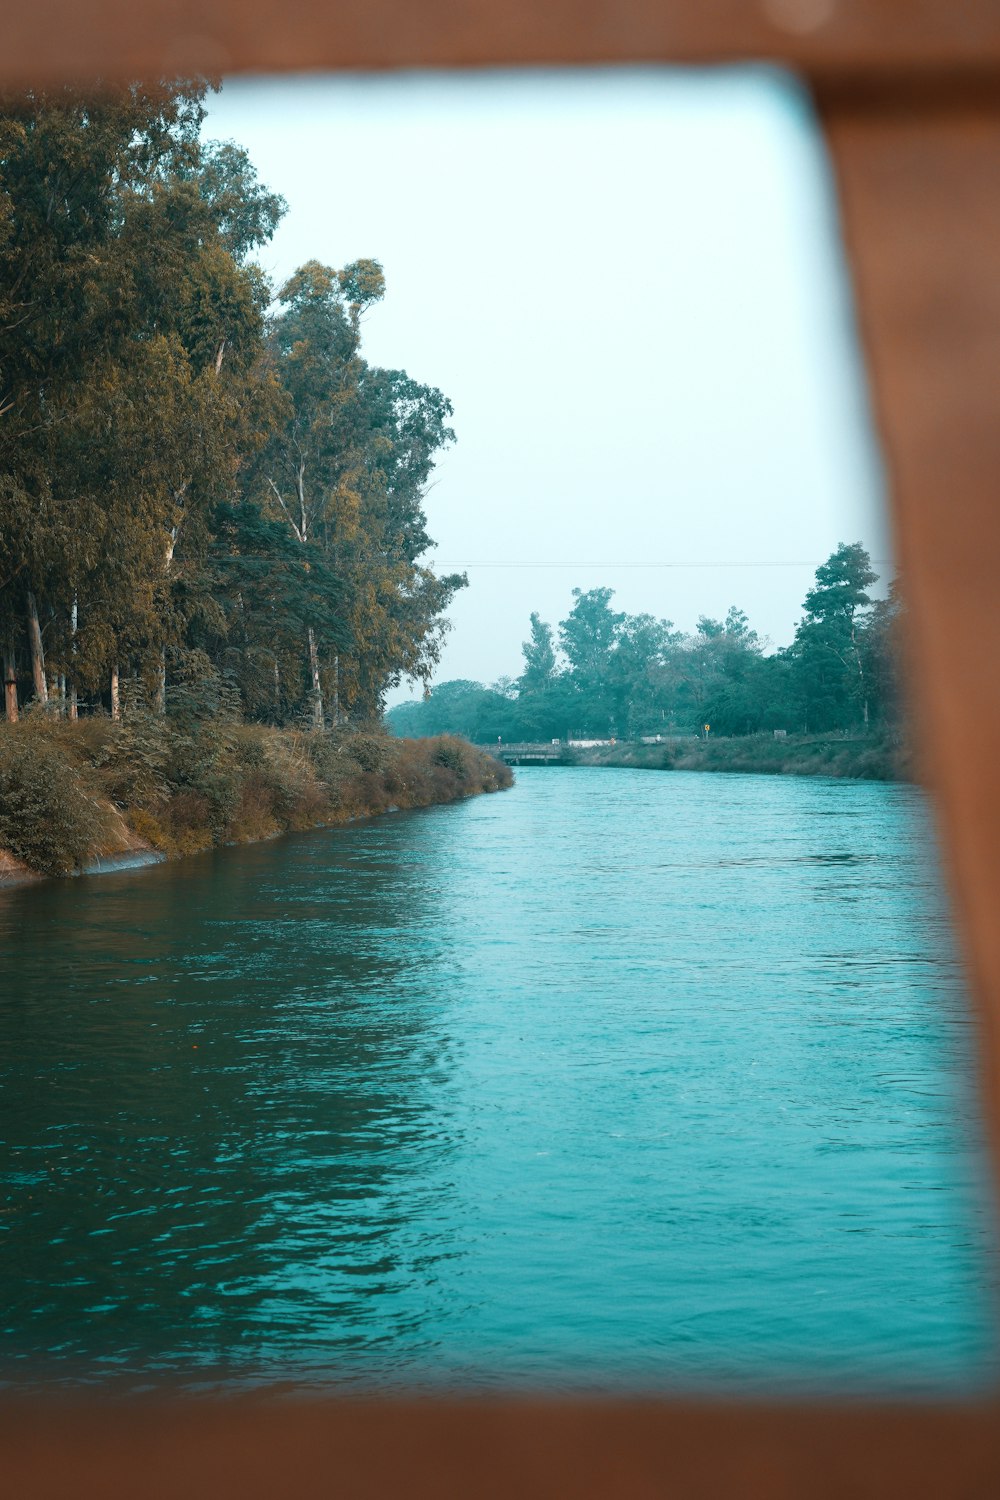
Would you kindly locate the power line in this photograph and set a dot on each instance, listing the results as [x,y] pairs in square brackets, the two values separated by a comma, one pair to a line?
[882,562]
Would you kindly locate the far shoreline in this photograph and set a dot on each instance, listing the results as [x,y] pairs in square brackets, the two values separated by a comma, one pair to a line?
[875,757]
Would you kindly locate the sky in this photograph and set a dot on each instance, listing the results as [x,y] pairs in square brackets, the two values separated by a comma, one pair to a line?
[630,286]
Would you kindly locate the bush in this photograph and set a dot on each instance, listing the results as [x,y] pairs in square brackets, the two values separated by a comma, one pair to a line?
[367,750]
[50,816]
[133,760]
[451,753]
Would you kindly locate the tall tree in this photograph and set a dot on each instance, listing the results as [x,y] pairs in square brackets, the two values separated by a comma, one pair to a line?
[347,471]
[539,658]
[637,670]
[829,665]
[588,637]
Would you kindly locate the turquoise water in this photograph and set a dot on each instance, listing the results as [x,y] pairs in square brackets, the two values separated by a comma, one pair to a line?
[618,1079]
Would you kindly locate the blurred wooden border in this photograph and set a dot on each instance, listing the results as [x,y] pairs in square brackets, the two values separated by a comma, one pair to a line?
[880,38]
[497,1450]
[909,92]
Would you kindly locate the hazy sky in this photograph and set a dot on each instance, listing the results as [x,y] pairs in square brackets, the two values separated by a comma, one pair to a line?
[629,285]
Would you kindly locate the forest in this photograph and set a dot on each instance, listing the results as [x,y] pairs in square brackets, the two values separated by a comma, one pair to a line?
[207,494]
[607,674]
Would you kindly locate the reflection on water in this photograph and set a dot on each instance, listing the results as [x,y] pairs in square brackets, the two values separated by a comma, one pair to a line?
[617,1079]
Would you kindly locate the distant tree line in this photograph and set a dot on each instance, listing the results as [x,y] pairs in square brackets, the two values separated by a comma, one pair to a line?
[609,674]
[204,486]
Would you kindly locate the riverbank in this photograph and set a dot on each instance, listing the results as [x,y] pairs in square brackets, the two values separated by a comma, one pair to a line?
[872,758]
[93,794]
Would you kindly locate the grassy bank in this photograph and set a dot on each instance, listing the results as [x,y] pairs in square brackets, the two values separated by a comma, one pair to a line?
[71,794]
[872,758]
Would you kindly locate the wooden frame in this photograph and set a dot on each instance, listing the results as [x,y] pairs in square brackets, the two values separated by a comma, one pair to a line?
[909,94]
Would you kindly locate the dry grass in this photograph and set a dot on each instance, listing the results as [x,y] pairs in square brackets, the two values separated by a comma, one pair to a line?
[72,792]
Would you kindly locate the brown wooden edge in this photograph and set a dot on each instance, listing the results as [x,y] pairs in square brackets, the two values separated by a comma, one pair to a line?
[920,195]
[47,39]
[496,1450]
[910,99]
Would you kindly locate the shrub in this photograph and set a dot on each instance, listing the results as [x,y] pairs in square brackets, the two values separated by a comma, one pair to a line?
[451,753]
[133,760]
[368,750]
[188,819]
[49,813]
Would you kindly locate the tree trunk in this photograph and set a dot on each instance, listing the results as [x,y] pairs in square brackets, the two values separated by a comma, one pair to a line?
[116,705]
[73,621]
[335,712]
[37,654]
[317,690]
[862,685]
[9,685]
[160,696]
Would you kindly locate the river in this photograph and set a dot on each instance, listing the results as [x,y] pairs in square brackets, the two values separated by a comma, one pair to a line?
[616,1080]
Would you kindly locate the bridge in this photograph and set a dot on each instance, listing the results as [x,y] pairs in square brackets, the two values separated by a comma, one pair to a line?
[544,754]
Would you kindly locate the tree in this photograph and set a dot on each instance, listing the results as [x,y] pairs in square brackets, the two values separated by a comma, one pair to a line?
[396,604]
[539,658]
[636,671]
[537,688]
[881,655]
[347,469]
[481,714]
[829,666]
[588,637]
